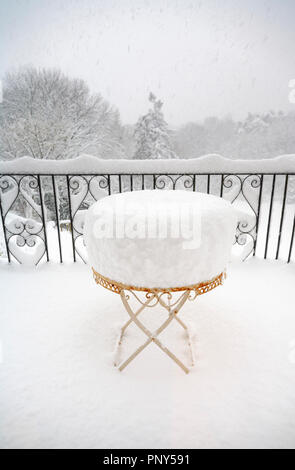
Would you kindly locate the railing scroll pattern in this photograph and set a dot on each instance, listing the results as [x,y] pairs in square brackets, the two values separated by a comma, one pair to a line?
[35,207]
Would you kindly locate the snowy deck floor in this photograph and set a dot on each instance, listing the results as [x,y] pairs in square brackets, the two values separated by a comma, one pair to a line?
[58,387]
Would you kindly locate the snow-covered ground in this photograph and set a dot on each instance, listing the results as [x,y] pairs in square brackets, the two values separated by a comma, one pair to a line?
[58,387]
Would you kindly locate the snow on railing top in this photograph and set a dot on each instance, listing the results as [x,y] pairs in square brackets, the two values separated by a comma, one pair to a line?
[88,164]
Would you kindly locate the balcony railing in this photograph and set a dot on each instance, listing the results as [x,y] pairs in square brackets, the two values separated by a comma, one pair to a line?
[43,203]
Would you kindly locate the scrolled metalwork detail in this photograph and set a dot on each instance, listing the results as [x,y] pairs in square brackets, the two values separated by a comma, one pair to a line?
[23,213]
[163,181]
[242,189]
[174,182]
[200,288]
[84,190]
[21,231]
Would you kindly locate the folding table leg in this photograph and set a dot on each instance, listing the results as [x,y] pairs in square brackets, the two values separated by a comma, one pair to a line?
[152,337]
[124,327]
[185,327]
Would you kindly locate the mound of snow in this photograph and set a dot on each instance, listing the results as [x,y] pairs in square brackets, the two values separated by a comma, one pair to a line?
[160,238]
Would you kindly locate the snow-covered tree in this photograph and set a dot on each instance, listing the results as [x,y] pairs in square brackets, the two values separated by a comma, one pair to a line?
[46,115]
[258,136]
[152,134]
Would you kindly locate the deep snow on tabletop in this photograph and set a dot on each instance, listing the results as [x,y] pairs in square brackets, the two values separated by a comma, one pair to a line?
[58,387]
[162,259]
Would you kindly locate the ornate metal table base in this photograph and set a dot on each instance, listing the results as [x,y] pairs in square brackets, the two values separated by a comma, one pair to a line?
[154,297]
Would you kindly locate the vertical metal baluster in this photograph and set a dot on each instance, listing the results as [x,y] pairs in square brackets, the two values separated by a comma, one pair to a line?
[269,215]
[292,240]
[154,181]
[194,182]
[4,232]
[221,187]
[56,216]
[71,217]
[208,184]
[109,185]
[120,183]
[131,182]
[258,213]
[142,182]
[282,215]
[174,184]
[43,216]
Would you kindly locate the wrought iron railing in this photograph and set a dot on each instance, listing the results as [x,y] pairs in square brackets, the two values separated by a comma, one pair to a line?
[42,214]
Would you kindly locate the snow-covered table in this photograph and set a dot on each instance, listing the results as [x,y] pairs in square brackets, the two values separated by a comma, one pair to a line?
[159,244]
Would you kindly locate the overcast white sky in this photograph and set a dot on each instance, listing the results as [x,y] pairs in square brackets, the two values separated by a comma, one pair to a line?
[202,58]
